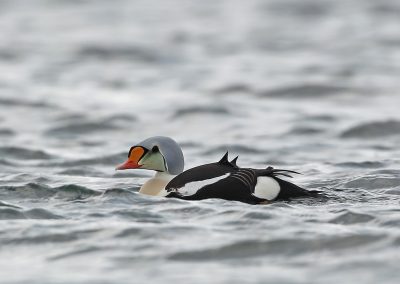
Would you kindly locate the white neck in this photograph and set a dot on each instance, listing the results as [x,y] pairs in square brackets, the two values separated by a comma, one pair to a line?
[156,185]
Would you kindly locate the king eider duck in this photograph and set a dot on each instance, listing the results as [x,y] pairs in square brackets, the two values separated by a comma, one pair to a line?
[223,179]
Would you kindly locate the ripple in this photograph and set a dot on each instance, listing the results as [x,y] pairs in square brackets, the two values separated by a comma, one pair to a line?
[387,172]
[373,182]
[190,210]
[79,128]
[362,165]
[394,224]
[393,191]
[233,89]
[36,213]
[77,252]
[118,118]
[9,55]
[304,130]
[6,132]
[349,217]
[10,214]
[84,172]
[11,102]
[305,90]
[109,160]
[52,237]
[235,149]
[308,9]
[40,191]
[118,192]
[373,130]
[124,52]
[40,213]
[74,192]
[210,73]
[5,162]
[139,215]
[258,215]
[120,196]
[284,247]
[320,118]
[70,117]
[134,231]
[81,117]
[24,153]
[200,110]
[6,204]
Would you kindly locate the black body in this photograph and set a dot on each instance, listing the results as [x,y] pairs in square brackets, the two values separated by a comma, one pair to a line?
[239,185]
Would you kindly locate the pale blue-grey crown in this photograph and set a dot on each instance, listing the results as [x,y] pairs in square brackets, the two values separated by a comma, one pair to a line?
[170,150]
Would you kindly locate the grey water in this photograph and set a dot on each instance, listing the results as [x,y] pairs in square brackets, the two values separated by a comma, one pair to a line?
[311,86]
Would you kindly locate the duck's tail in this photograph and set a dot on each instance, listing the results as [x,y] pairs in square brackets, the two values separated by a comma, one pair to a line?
[288,189]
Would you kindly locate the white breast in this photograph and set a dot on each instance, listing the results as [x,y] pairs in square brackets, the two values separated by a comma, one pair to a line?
[156,185]
[267,188]
[192,187]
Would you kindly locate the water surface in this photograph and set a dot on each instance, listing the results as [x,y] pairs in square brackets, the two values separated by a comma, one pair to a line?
[310,86]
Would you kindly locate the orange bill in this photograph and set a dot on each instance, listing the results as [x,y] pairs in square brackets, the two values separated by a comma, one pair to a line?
[133,160]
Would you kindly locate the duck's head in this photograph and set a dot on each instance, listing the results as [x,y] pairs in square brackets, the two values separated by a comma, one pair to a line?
[157,153]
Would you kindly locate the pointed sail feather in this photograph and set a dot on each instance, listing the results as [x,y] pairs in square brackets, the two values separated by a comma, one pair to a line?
[224,160]
[233,162]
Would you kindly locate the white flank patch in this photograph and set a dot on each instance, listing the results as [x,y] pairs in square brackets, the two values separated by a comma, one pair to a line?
[267,188]
[192,187]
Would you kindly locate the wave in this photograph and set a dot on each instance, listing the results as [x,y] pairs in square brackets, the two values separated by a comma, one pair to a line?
[124,52]
[373,182]
[77,252]
[52,237]
[213,110]
[6,132]
[139,215]
[109,160]
[285,247]
[35,191]
[5,162]
[6,204]
[234,149]
[80,117]
[22,153]
[83,172]
[233,88]
[376,129]
[304,90]
[12,102]
[305,130]
[36,213]
[299,91]
[121,196]
[77,124]
[350,217]
[79,128]
[362,165]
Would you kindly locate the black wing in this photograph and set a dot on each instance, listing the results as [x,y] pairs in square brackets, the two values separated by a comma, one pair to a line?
[238,186]
[203,173]
[200,173]
[290,190]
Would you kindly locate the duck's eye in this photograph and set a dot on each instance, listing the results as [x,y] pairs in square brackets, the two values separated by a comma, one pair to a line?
[155,149]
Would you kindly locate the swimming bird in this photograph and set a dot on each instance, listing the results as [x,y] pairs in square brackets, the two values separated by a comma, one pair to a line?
[223,179]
